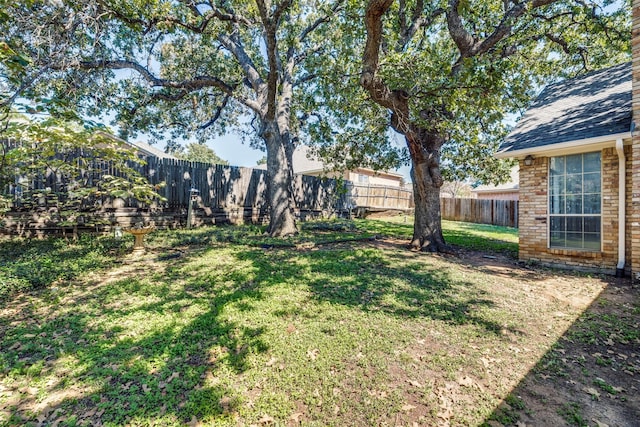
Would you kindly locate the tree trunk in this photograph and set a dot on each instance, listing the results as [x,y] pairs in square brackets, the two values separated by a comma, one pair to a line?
[424,148]
[280,183]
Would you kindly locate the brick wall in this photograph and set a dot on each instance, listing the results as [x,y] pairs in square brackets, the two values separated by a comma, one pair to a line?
[633,212]
[534,220]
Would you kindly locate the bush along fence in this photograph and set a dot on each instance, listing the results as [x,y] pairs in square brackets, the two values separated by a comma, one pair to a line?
[494,212]
[220,194]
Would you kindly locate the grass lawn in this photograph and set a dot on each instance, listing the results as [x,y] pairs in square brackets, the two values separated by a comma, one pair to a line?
[341,325]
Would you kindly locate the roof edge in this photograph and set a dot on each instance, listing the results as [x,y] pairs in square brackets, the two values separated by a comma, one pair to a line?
[496,190]
[566,147]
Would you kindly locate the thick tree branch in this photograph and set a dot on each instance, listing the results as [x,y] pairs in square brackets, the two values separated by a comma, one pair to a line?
[419,19]
[270,24]
[394,100]
[461,37]
[197,83]
[234,45]
[369,79]
[470,46]
[216,115]
[192,84]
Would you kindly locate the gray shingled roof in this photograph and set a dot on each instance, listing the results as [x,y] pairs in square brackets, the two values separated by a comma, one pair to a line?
[150,150]
[512,185]
[594,105]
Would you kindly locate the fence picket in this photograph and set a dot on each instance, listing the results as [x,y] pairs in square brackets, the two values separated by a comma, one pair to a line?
[228,193]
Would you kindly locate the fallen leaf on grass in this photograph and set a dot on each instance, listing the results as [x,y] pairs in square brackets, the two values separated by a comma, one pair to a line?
[194,422]
[466,381]
[89,413]
[415,384]
[146,388]
[296,417]
[599,424]
[226,403]
[313,354]
[408,408]
[377,394]
[266,419]
[271,361]
[173,376]
[58,421]
[593,392]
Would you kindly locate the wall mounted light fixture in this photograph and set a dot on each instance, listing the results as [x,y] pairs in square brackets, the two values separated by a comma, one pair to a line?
[528,161]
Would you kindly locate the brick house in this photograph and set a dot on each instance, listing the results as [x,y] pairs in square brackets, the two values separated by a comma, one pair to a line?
[579,159]
[510,190]
[306,163]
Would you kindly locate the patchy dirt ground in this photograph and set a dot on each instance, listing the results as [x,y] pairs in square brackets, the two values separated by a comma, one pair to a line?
[591,377]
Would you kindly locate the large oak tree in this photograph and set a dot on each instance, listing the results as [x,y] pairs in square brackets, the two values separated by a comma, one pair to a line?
[448,72]
[177,67]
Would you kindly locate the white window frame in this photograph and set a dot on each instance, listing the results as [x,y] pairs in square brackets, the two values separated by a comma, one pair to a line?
[573,215]
[363,179]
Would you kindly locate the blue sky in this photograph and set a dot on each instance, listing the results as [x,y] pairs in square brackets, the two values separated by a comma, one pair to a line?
[230,148]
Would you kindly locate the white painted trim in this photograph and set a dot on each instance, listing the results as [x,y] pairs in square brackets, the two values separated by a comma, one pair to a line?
[499,190]
[622,189]
[569,147]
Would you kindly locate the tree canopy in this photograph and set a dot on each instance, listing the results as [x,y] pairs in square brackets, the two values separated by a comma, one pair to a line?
[178,68]
[195,152]
[442,74]
[449,72]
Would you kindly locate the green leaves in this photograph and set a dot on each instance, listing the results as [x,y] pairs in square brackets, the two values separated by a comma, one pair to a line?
[71,159]
[200,153]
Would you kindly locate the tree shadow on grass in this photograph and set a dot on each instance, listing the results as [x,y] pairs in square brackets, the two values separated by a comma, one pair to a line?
[371,281]
[102,370]
[107,357]
[589,375]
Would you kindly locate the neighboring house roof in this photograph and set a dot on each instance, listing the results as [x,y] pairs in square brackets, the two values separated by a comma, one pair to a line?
[142,147]
[511,186]
[150,150]
[591,107]
[305,162]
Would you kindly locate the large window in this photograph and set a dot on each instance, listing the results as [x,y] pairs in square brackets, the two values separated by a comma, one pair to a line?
[574,201]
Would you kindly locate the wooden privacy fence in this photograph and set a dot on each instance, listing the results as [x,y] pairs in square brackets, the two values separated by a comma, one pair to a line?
[495,212]
[378,197]
[224,194]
